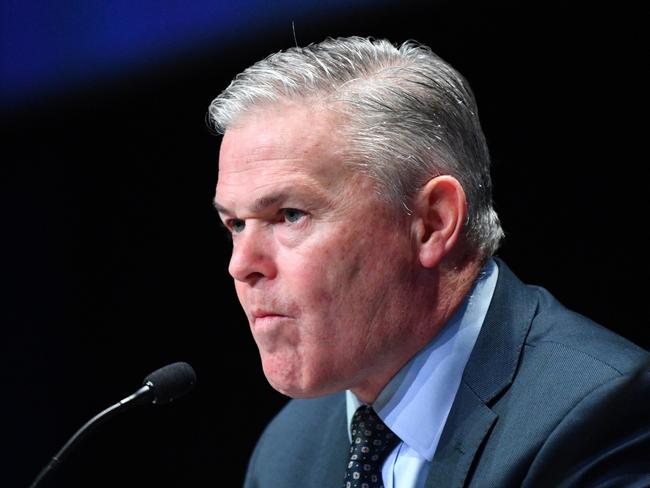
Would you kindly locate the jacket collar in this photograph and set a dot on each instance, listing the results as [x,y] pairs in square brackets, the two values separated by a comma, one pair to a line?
[489,371]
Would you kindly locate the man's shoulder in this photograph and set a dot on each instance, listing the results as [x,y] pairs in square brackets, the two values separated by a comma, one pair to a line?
[566,376]
[550,329]
[306,443]
[567,335]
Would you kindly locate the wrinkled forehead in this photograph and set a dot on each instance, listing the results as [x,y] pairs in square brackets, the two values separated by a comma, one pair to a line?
[284,139]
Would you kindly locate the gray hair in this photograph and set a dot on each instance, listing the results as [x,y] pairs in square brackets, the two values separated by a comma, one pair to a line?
[410,117]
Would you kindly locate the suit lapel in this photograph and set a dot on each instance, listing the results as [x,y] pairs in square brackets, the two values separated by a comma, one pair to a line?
[468,423]
[489,371]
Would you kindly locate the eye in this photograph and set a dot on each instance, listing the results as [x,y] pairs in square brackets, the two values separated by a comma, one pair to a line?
[292,215]
[236,225]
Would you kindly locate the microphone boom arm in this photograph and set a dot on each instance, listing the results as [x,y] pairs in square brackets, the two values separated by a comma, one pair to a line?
[140,396]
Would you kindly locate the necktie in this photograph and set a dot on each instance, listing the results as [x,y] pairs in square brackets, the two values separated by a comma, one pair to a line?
[372,441]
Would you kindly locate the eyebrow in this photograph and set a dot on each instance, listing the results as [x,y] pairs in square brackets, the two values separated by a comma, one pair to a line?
[260,204]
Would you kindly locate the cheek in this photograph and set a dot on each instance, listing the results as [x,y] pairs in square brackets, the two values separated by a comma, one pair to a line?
[312,286]
[241,290]
[333,282]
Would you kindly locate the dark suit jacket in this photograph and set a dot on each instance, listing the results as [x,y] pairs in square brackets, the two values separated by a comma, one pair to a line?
[548,398]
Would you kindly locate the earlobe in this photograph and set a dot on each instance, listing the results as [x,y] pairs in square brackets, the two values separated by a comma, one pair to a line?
[441,208]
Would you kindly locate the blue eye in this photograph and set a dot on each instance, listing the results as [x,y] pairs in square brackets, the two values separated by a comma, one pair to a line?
[236,225]
[292,215]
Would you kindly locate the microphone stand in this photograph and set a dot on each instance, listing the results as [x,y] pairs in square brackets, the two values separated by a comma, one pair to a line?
[123,404]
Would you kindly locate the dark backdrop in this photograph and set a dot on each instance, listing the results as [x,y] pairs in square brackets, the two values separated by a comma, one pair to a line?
[113,262]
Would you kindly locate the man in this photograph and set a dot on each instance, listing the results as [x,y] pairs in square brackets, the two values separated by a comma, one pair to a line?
[354,179]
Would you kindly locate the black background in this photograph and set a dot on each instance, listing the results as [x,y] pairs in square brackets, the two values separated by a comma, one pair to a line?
[113,262]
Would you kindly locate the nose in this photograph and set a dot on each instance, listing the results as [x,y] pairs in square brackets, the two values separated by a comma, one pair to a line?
[252,256]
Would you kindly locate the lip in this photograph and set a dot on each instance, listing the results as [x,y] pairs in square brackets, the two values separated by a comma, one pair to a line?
[260,314]
[265,323]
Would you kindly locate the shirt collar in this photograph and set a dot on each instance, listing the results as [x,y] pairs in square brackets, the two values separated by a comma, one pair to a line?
[416,401]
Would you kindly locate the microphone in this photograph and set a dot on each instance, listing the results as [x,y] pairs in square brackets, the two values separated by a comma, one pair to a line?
[162,386]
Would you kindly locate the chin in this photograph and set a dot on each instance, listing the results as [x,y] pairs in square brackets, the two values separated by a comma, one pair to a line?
[292,389]
[295,383]
[301,393]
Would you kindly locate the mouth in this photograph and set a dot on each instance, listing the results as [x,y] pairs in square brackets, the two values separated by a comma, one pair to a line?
[261,314]
[267,320]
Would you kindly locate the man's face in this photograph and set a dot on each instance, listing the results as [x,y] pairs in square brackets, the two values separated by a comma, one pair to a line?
[322,268]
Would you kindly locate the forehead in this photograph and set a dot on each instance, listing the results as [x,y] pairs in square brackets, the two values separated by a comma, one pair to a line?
[297,143]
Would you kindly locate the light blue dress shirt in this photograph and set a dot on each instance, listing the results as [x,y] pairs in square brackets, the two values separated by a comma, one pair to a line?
[416,402]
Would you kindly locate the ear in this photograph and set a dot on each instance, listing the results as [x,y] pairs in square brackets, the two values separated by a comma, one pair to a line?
[440,209]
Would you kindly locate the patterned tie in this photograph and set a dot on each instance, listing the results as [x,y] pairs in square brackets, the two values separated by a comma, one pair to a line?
[372,441]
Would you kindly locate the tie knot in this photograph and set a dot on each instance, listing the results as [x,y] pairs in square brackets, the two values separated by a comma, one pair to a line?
[366,425]
[372,441]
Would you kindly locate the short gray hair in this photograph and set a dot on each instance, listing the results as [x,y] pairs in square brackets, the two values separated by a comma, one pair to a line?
[411,117]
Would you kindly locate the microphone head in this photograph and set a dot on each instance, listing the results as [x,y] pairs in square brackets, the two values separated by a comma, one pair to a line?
[170,382]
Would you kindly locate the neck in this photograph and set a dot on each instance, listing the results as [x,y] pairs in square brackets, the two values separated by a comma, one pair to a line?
[446,289]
